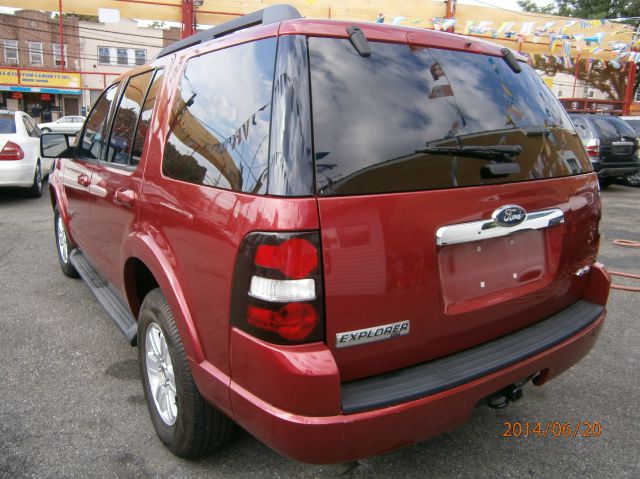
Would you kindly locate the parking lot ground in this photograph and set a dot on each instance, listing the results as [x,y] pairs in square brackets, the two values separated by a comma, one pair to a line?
[71,402]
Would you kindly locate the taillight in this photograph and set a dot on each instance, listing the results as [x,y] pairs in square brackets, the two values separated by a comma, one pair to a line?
[593,148]
[277,288]
[11,152]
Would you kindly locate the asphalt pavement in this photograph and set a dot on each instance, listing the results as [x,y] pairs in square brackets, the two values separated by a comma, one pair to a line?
[71,401]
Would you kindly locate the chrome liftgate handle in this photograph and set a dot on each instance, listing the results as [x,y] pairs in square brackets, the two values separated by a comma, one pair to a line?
[485,229]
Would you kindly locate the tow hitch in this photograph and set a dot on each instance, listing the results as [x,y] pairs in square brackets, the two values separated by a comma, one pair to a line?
[511,393]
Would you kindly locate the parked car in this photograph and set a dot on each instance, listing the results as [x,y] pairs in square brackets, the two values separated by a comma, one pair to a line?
[67,124]
[632,179]
[612,145]
[20,161]
[339,280]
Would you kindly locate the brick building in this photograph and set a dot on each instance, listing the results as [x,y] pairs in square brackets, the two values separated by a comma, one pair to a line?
[34,76]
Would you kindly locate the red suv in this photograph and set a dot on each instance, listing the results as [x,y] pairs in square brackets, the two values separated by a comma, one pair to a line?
[341,236]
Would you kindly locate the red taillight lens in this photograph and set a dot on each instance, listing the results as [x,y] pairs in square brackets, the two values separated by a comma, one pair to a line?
[294,321]
[295,258]
[277,287]
[11,152]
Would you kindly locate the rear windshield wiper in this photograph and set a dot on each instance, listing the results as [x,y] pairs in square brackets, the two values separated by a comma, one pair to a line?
[493,152]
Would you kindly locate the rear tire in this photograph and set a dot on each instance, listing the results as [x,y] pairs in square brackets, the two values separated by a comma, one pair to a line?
[35,190]
[63,247]
[184,422]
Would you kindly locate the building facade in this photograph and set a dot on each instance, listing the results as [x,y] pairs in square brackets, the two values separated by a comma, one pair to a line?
[37,75]
[109,49]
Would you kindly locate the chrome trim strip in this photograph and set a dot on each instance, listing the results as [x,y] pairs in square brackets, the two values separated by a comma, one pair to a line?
[485,229]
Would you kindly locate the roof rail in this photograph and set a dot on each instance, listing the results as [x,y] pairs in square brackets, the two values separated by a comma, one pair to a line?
[271,14]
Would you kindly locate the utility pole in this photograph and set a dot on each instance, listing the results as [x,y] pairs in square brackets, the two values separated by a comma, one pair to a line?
[450,13]
[188,18]
[61,35]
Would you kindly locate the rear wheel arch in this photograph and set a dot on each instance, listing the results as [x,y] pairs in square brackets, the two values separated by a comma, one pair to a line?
[144,271]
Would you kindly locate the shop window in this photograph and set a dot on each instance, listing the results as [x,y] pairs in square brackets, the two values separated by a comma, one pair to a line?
[123,57]
[11,51]
[104,56]
[35,53]
[141,57]
[57,56]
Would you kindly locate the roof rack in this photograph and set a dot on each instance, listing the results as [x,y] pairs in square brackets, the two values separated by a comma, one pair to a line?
[271,14]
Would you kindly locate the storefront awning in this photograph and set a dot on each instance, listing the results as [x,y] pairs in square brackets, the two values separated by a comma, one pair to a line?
[26,89]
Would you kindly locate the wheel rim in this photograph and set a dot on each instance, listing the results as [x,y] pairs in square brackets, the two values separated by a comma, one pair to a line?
[633,179]
[162,382]
[63,247]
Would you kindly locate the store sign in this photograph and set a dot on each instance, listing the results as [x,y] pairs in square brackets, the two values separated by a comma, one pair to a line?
[39,78]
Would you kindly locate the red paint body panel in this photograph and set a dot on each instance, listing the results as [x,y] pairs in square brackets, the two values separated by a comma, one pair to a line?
[340,438]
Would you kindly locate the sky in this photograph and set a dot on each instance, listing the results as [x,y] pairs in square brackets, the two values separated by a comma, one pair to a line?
[508,4]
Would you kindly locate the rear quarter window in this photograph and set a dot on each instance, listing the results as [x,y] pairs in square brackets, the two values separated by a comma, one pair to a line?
[373,115]
[220,119]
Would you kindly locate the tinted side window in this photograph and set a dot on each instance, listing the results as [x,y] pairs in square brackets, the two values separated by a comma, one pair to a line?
[145,117]
[28,126]
[126,118]
[220,119]
[36,129]
[93,140]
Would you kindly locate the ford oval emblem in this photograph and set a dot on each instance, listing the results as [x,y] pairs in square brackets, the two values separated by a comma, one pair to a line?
[509,215]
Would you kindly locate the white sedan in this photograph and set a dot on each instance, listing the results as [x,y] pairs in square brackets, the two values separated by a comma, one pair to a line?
[20,163]
[66,124]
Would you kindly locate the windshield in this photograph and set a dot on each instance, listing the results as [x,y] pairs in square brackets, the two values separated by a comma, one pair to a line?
[376,117]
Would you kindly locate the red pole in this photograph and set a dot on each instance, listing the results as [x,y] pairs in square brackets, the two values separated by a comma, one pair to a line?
[631,81]
[61,35]
[575,76]
[188,19]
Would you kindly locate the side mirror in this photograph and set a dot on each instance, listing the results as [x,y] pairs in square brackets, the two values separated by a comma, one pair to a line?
[55,145]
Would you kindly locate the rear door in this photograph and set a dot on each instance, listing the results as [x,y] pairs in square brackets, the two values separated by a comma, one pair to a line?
[77,172]
[618,141]
[116,179]
[416,262]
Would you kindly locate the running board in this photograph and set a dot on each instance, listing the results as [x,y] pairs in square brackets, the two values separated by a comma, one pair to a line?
[117,310]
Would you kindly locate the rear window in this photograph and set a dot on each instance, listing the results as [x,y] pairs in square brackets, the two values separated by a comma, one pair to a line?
[635,124]
[611,127]
[7,123]
[373,115]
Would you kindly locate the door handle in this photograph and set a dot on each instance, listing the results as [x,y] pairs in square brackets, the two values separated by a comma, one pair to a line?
[84,180]
[125,197]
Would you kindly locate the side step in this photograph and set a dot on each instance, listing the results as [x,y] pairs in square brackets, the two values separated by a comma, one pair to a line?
[117,310]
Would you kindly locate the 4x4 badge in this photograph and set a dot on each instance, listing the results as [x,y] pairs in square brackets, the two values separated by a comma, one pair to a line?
[509,215]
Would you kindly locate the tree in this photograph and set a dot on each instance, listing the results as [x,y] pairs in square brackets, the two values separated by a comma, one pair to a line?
[586,8]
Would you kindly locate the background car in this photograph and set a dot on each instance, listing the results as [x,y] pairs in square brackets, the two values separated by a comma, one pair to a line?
[611,145]
[20,163]
[66,124]
[634,178]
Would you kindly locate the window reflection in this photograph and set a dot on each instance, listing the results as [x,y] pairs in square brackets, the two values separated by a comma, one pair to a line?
[93,139]
[220,119]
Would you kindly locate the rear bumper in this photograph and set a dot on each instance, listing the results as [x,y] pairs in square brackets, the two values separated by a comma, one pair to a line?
[17,173]
[615,169]
[296,405]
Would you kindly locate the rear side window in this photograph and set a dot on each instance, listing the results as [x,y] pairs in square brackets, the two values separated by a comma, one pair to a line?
[93,138]
[220,119]
[145,117]
[611,127]
[373,116]
[7,123]
[126,119]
